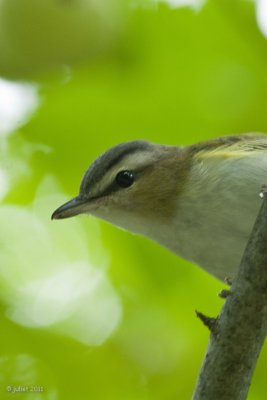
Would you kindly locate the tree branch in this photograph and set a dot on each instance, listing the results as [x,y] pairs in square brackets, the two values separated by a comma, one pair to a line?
[241,328]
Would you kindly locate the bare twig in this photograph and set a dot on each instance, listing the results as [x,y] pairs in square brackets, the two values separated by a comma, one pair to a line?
[209,322]
[241,327]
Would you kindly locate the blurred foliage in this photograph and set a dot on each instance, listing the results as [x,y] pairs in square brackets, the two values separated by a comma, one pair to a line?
[169,75]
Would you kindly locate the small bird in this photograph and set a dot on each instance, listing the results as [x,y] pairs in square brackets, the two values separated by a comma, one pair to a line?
[199,201]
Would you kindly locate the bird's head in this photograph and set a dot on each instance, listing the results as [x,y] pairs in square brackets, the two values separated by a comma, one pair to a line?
[129,185]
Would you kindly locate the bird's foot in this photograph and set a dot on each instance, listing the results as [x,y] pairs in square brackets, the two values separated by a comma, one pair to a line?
[224,293]
[263,191]
[228,281]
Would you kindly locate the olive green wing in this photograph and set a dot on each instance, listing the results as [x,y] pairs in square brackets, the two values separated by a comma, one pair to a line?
[230,146]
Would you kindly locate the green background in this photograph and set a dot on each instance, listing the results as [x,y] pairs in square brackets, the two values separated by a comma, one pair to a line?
[169,75]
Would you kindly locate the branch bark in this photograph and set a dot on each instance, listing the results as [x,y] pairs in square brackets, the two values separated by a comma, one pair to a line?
[240,330]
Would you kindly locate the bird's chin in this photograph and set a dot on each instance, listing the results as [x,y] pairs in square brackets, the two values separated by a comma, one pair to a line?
[119,218]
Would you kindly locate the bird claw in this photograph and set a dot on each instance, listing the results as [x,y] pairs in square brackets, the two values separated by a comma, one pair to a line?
[263,191]
[224,293]
[228,281]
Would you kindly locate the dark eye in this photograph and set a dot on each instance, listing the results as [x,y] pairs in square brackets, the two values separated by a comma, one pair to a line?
[125,179]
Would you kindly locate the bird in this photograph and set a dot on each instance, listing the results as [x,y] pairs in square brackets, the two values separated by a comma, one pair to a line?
[199,201]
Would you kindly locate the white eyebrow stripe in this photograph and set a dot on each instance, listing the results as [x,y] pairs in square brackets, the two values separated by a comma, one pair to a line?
[130,162]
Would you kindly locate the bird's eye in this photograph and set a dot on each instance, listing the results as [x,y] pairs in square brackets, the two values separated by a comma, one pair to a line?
[125,179]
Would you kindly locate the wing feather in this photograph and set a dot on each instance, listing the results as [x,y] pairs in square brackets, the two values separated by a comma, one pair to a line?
[230,146]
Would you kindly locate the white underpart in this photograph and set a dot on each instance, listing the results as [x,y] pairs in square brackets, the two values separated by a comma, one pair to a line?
[216,216]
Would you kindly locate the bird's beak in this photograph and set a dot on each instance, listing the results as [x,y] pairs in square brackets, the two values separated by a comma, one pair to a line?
[70,209]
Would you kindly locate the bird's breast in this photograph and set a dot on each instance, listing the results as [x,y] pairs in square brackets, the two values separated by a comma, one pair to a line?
[214,217]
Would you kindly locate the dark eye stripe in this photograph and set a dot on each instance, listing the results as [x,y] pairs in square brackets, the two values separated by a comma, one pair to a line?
[114,187]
